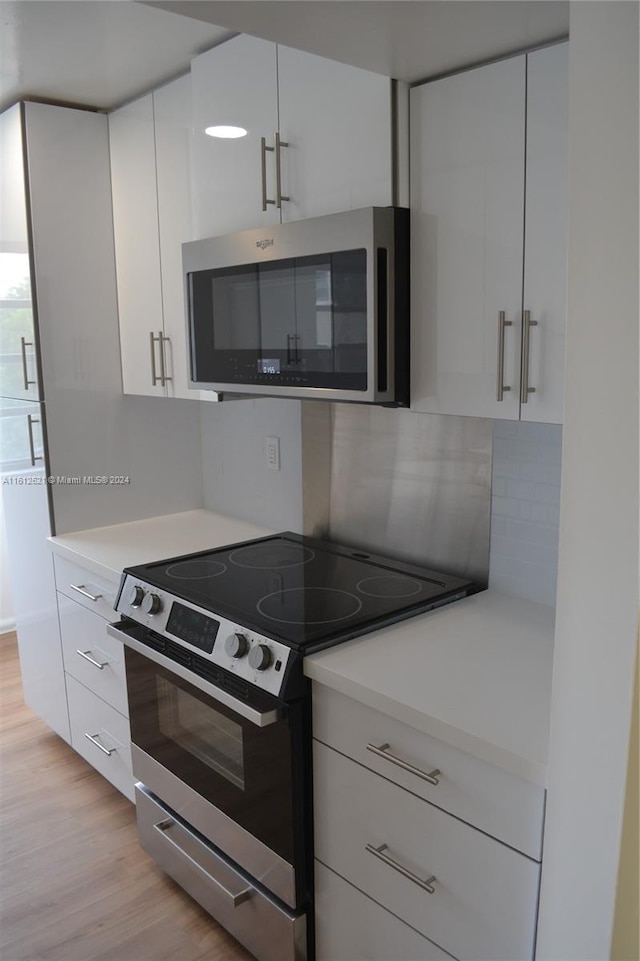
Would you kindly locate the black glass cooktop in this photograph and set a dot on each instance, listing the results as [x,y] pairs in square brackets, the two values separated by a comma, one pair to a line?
[302,591]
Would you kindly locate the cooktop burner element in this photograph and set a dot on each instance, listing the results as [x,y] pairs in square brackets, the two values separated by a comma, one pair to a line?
[254,609]
[309,605]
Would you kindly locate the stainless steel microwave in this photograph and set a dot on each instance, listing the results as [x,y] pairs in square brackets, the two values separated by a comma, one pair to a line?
[317,309]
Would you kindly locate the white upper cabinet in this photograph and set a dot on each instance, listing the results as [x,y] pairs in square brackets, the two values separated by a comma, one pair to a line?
[545,237]
[234,84]
[319,137]
[488,197]
[150,143]
[336,120]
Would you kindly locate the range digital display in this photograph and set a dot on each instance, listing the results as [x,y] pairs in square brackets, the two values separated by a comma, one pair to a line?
[193,627]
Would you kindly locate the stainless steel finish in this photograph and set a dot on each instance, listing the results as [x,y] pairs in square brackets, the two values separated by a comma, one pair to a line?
[243,848]
[525,389]
[94,740]
[155,377]
[383,751]
[266,928]
[25,372]
[80,588]
[502,323]
[164,378]
[263,167]
[259,718]
[279,195]
[163,827]
[413,486]
[31,420]
[368,228]
[426,885]
[87,656]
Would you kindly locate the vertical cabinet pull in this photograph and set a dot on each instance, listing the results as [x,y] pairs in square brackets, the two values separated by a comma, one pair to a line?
[279,195]
[162,340]
[31,420]
[155,376]
[501,387]
[264,147]
[263,167]
[25,371]
[525,389]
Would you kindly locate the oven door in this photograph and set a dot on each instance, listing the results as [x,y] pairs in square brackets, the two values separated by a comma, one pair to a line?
[223,764]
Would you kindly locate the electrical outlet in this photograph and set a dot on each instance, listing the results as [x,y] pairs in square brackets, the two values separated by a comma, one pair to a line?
[272,453]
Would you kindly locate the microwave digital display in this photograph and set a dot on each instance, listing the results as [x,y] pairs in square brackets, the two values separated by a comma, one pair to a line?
[268,366]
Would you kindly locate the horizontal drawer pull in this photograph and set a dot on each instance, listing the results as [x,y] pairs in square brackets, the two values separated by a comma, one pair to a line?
[94,740]
[383,751]
[87,656]
[80,588]
[236,899]
[426,885]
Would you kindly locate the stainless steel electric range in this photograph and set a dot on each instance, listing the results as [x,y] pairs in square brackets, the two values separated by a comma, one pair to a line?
[220,714]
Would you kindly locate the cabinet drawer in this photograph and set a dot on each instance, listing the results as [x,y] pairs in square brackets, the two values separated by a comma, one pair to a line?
[352,927]
[110,751]
[484,900]
[503,805]
[90,655]
[96,593]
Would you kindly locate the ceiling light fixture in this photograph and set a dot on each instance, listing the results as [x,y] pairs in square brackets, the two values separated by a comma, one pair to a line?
[225,132]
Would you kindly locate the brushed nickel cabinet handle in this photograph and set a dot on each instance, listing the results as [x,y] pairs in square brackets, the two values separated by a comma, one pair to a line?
[236,899]
[162,340]
[433,777]
[155,377]
[87,656]
[425,884]
[31,420]
[525,389]
[263,167]
[502,323]
[25,371]
[80,588]
[94,740]
[279,195]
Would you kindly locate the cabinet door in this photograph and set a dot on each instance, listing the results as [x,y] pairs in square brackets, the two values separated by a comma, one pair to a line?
[545,260]
[21,435]
[336,120]
[172,116]
[467,199]
[26,509]
[233,84]
[18,364]
[135,224]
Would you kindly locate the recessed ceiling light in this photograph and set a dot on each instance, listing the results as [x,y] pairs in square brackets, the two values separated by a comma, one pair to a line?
[226,133]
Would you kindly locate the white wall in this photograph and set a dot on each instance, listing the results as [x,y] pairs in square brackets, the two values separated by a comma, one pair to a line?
[235,477]
[7,616]
[598,554]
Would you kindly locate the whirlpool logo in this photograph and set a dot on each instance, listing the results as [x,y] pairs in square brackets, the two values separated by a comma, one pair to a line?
[263,244]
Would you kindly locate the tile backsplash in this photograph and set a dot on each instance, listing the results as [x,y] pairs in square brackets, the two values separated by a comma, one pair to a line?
[525,509]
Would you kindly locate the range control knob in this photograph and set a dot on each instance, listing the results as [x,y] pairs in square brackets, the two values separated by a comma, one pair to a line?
[260,657]
[135,595]
[236,645]
[152,604]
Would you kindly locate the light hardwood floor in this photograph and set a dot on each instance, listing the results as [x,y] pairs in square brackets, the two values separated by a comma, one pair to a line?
[76,886]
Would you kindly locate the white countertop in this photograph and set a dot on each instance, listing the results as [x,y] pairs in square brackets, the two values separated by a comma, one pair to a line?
[476,674]
[107,550]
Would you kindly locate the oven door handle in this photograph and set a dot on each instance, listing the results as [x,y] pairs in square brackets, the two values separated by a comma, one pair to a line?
[259,718]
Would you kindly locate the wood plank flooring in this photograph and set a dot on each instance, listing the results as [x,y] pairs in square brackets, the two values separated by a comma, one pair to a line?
[75,884]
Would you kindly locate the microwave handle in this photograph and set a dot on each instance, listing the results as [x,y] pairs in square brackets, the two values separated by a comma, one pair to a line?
[259,718]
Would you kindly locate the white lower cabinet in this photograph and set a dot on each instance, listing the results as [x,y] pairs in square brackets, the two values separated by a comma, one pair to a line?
[360,929]
[94,673]
[395,853]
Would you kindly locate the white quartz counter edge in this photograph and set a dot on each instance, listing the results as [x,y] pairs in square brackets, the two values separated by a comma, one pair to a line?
[105,551]
[476,674]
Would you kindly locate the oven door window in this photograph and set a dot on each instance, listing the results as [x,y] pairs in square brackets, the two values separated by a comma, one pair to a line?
[242,769]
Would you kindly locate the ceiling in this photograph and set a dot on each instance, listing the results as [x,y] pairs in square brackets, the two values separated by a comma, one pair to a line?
[101,53]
